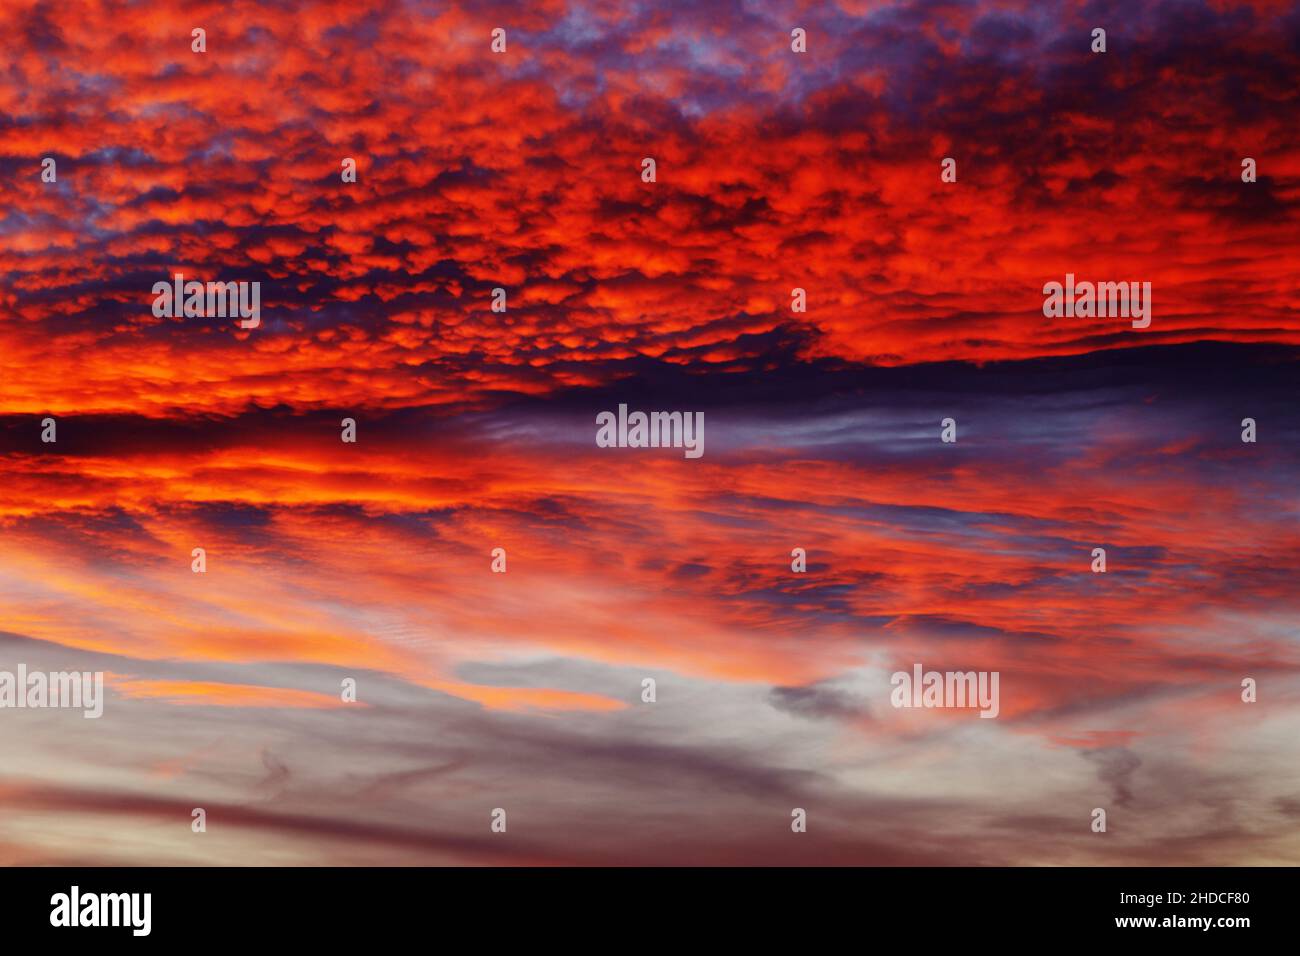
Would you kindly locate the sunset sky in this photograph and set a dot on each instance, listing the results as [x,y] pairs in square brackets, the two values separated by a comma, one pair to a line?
[476,430]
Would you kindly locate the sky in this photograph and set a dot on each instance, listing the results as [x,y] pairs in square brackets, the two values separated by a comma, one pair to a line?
[372,561]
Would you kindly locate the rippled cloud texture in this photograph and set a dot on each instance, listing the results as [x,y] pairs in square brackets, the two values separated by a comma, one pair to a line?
[476,430]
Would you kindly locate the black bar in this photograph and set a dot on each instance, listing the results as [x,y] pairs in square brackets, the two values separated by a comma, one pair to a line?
[666,907]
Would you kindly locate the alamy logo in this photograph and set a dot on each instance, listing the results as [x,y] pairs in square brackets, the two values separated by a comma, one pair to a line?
[72,689]
[1105,300]
[923,688]
[652,430]
[221,299]
[103,909]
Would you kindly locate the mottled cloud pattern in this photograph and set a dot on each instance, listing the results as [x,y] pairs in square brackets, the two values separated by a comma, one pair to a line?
[476,430]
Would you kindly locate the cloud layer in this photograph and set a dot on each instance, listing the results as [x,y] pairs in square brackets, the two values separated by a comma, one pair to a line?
[476,430]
